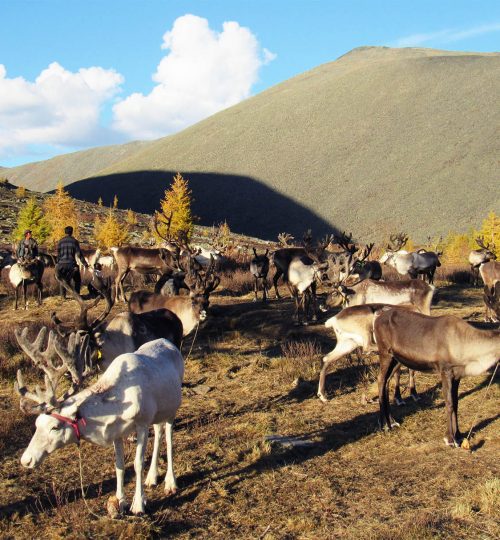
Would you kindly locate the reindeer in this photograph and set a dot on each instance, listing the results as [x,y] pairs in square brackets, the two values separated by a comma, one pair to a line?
[447,345]
[259,268]
[300,268]
[414,263]
[490,274]
[24,273]
[415,294]
[137,390]
[189,309]
[478,257]
[491,299]
[353,328]
[363,269]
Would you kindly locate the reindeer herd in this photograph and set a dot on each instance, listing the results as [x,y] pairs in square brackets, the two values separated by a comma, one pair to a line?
[139,349]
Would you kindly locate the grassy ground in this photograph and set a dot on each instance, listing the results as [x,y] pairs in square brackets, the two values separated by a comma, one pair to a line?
[252,374]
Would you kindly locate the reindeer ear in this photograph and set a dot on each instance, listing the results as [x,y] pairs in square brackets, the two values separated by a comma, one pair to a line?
[255,252]
[267,251]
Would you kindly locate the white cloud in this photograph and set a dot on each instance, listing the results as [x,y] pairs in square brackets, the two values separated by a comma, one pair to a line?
[446,36]
[203,72]
[59,108]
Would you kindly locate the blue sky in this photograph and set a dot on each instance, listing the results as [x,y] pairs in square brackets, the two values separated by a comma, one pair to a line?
[78,74]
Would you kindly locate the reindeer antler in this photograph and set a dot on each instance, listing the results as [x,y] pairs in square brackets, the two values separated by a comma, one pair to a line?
[397,241]
[481,243]
[344,240]
[72,360]
[285,239]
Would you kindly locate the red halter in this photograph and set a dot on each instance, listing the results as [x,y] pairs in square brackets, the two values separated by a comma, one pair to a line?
[71,422]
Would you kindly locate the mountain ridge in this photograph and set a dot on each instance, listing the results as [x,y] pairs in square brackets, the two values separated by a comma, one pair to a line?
[379,140]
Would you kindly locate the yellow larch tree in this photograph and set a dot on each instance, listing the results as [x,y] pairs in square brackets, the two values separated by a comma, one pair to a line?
[177,205]
[60,212]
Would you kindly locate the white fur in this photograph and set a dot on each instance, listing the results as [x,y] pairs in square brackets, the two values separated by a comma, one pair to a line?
[137,390]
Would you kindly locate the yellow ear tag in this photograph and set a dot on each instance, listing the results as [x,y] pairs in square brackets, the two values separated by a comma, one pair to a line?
[99,354]
[465,444]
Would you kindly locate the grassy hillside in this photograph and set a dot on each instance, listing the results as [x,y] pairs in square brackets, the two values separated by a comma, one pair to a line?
[378,141]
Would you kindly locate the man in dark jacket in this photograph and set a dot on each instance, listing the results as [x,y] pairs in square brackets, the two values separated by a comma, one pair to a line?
[68,249]
[27,248]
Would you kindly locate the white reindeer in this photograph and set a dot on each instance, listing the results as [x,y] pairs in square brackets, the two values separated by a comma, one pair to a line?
[137,390]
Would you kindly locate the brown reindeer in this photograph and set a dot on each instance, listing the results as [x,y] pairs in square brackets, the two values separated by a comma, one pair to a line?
[490,274]
[447,345]
[190,309]
[478,257]
[259,268]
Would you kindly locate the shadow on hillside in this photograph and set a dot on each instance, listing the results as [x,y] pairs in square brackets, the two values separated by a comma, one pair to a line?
[248,205]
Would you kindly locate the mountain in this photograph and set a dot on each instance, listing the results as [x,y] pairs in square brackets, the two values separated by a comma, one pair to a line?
[379,141]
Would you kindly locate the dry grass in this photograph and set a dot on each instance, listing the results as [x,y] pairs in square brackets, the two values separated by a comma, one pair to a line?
[351,481]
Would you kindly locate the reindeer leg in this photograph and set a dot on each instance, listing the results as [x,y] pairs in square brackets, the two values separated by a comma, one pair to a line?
[40,293]
[138,503]
[398,400]
[264,289]
[170,481]
[446,379]
[25,296]
[458,437]
[387,365]
[120,283]
[120,473]
[413,388]
[341,349]
[276,277]
[314,302]
[16,296]
[255,287]
[151,478]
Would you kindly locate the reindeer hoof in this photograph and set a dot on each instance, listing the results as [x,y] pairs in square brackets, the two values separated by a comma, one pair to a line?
[137,508]
[322,398]
[395,424]
[399,401]
[151,481]
[170,491]
[415,397]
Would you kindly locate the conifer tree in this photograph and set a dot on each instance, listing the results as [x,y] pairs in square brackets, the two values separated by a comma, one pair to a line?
[31,217]
[60,211]
[131,217]
[109,232]
[177,203]
[20,192]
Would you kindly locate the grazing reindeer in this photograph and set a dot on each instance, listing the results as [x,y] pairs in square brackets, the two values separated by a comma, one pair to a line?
[24,273]
[445,344]
[259,268]
[415,263]
[490,274]
[137,390]
[477,257]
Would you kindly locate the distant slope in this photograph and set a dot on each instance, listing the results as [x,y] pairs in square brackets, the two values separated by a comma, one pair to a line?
[378,141]
[44,175]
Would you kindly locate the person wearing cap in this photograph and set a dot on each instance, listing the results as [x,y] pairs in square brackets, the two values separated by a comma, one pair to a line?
[68,249]
[27,249]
